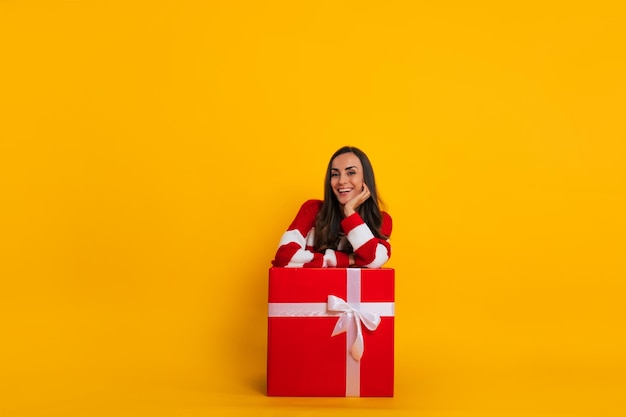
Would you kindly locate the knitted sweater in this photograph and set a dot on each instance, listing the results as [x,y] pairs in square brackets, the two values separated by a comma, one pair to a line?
[296,245]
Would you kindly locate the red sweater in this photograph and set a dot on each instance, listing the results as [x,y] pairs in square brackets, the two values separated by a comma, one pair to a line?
[296,245]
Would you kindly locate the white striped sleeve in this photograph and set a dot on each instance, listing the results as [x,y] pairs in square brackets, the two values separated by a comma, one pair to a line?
[299,258]
[359,236]
[330,258]
[292,236]
[381,257]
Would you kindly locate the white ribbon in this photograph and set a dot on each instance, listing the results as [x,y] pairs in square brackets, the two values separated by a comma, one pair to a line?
[352,315]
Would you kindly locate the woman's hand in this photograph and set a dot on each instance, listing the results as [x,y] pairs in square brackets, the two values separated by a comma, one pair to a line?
[350,207]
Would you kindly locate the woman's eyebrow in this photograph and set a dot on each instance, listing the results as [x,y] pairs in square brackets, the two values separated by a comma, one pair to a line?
[351,167]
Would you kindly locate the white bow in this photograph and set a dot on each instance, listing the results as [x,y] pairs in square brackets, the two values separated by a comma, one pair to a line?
[370,320]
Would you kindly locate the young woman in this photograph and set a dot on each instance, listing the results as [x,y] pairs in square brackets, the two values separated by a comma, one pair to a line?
[347,229]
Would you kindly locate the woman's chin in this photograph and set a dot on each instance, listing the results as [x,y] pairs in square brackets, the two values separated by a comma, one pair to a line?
[342,200]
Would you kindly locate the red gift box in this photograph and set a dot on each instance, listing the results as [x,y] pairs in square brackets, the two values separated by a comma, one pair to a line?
[330,332]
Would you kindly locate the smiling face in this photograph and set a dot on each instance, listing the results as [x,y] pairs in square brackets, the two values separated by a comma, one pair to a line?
[346,177]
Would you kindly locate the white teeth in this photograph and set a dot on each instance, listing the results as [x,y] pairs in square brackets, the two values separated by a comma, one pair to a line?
[345,190]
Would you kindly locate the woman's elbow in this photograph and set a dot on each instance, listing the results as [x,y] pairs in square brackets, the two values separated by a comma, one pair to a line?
[381,257]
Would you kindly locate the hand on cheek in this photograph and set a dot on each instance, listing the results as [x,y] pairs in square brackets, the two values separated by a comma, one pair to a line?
[351,206]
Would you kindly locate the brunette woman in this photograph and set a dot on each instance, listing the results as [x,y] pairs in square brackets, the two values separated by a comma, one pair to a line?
[348,228]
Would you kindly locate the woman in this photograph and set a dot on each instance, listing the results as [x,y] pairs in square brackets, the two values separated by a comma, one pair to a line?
[347,229]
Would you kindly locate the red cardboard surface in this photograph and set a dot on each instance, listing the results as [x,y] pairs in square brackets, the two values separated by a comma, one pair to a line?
[303,358]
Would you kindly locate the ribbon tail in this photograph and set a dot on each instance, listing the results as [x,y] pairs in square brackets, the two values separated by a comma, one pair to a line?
[358,346]
[342,324]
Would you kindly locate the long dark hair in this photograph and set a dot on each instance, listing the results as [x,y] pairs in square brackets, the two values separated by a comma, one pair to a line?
[328,221]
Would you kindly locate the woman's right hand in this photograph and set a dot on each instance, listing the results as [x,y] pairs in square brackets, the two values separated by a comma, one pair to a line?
[350,207]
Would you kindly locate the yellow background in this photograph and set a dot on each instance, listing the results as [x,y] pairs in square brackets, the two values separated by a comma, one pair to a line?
[152,153]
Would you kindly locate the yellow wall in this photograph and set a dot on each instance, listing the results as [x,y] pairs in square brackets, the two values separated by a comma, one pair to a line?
[152,153]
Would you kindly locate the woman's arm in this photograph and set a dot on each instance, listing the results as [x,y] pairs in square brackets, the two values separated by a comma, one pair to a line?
[369,251]
[295,249]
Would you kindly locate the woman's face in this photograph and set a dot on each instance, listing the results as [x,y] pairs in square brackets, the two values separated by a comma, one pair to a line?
[346,177]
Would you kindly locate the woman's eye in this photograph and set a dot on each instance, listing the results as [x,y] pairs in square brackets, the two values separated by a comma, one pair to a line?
[351,172]
[334,174]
